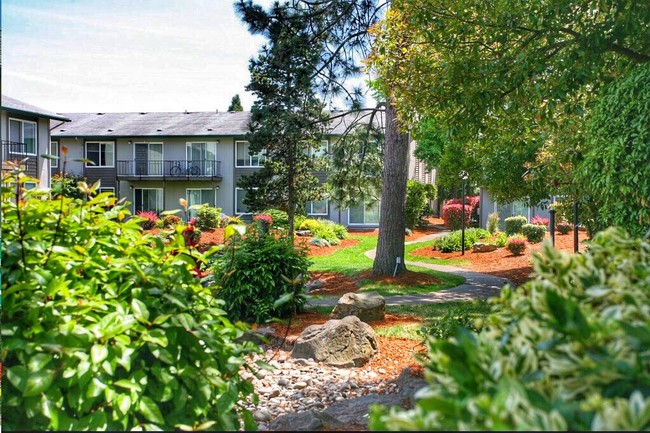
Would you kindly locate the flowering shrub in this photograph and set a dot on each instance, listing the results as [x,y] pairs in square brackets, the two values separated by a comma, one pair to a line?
[516,245]
[263,219]
[533,232]
[150,219]
[540,221]
[192,236]
[452,211]
[514,224]
[564,227]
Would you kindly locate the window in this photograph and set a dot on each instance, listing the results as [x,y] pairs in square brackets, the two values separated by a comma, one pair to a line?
[101,153]
[364,214]
[240,207]
[23,131]
[316,207]
[106,189]
[148,159]
[148,199]
[203,155]
[320,151]
[245,159]
[54,151]
[199,197]
[29,185]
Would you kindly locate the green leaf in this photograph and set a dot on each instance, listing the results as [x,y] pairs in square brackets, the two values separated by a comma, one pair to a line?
[38,382]
[283,300]
[17,375]
[170,212]
[140,311]
[127,384]
[98,353]
[123,404]
[150,410]
[39,361]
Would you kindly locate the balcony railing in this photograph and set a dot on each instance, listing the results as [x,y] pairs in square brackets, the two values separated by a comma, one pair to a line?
[169,169]
[17,151]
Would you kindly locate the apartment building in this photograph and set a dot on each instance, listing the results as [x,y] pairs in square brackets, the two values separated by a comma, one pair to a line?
[25,135]
[155,158]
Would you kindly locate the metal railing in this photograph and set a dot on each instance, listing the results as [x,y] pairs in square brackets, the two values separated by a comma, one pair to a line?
[169,168]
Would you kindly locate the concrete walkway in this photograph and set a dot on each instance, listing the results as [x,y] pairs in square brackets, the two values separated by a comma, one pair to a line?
[476,285]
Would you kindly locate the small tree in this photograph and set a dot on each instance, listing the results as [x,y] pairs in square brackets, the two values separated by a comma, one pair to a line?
[235,104]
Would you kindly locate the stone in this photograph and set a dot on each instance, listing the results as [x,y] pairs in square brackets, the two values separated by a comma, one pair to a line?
[301,421]
[480,247]
[302,233]
[409,384]
[262,415]
[368,306]
[257,336]
[354,412]
[347,342]
[314,285]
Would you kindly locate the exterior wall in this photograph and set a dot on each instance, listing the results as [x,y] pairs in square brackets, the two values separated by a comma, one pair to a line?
[488,205]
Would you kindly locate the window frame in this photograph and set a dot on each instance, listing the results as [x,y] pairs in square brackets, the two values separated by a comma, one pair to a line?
[22,135]
[236,210]
[192,213]
[310,209]
[248,157]
[162,199]
[364,223]
[55,150]
[112,162]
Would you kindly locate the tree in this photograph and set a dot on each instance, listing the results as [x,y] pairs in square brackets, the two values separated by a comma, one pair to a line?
[235,104]
[285,118]
[511,83]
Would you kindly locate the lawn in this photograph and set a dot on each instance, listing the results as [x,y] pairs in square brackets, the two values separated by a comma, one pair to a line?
[436,261]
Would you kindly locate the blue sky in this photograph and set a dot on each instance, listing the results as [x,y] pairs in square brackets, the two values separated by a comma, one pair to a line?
[125,55]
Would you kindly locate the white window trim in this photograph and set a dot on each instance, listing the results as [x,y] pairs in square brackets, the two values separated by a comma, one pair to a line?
[106,189]
[87,165]
[240,213]
[311,203]
[54,163]
[22,134]
[259,154]
[147,142]
[364,223]
[162,197]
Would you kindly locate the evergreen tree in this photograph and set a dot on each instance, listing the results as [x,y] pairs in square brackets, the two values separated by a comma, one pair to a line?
[235,104]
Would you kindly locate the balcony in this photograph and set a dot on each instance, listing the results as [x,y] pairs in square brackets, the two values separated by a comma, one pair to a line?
[16,151]
[169,170]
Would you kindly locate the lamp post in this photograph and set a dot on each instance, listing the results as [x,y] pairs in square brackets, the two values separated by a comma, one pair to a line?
[463,176]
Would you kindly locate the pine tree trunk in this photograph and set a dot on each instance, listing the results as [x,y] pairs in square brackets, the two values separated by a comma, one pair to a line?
[392,219]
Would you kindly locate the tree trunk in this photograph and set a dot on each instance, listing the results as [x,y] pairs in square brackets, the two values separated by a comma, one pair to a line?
[392,218]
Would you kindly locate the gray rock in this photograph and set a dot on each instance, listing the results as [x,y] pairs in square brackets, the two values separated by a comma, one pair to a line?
[354,412]
[257,336]
[409,384]
[366,306]
[314,285]
[347,342]
[301,421]
[262,415]
[480,247]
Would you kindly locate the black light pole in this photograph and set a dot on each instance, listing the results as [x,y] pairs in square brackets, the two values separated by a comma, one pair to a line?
[463,176]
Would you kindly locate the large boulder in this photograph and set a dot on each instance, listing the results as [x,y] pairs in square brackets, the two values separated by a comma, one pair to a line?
[368,306]
[484,248]
[347,342]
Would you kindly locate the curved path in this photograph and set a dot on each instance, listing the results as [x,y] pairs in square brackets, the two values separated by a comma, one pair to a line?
[476,285]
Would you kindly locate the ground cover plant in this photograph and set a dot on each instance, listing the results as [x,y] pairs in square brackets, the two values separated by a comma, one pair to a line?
[419,258]
[107,328]
[566,351]
[454,240]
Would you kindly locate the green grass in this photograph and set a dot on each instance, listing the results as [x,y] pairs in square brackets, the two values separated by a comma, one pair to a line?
[347,261]
[411,331]
[392,289]
[416,246]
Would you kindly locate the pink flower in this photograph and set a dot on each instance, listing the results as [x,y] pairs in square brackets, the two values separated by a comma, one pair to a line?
[263,218]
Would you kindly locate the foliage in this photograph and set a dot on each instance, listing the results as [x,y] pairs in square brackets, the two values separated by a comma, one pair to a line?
[541,221]
[516,245]
[563,227]
[418,196]
[452,215]
[534,233]
[150,219]
[172,220]
[493,222]
[325,229]
[319,242]
[208,217]
[563,211]
[567,351]
[616,170]
[514,224]
[66,184]
[235,104]
[279,217]
[107,328]
[453,241]
[258,271]
[469,315]
[501,240]
[508,95]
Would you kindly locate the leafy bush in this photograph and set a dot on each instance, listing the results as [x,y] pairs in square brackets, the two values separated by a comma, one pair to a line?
[105,328]
[452,215]
[470,315]
[540,221]
[279,217]
[160,224]
[566,351]
[514,224]
[615,171]
[453,241]
[493,222]
[325,229]
[319,242]
[171,220]
[564,227]
[150,219]
[417,197]
[255,272]
[501,240]
[534,233]
[66,184]
[516,245]
[208,217]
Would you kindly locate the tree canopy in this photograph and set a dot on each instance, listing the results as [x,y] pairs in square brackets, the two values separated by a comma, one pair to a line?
[235,104]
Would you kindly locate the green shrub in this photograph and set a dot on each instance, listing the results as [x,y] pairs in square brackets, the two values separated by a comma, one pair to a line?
[255,272]
[501,240]
[310,224]
[514,224]
[534,233]
[160,224]
[567,351]
[564,227]
[208,217]
[418,196]
[516,245]
[470,315]
[171,220]
[319,242]
[453,241]
[105,328]
[324,229]
[66,184]
[279,217]
[493,222]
